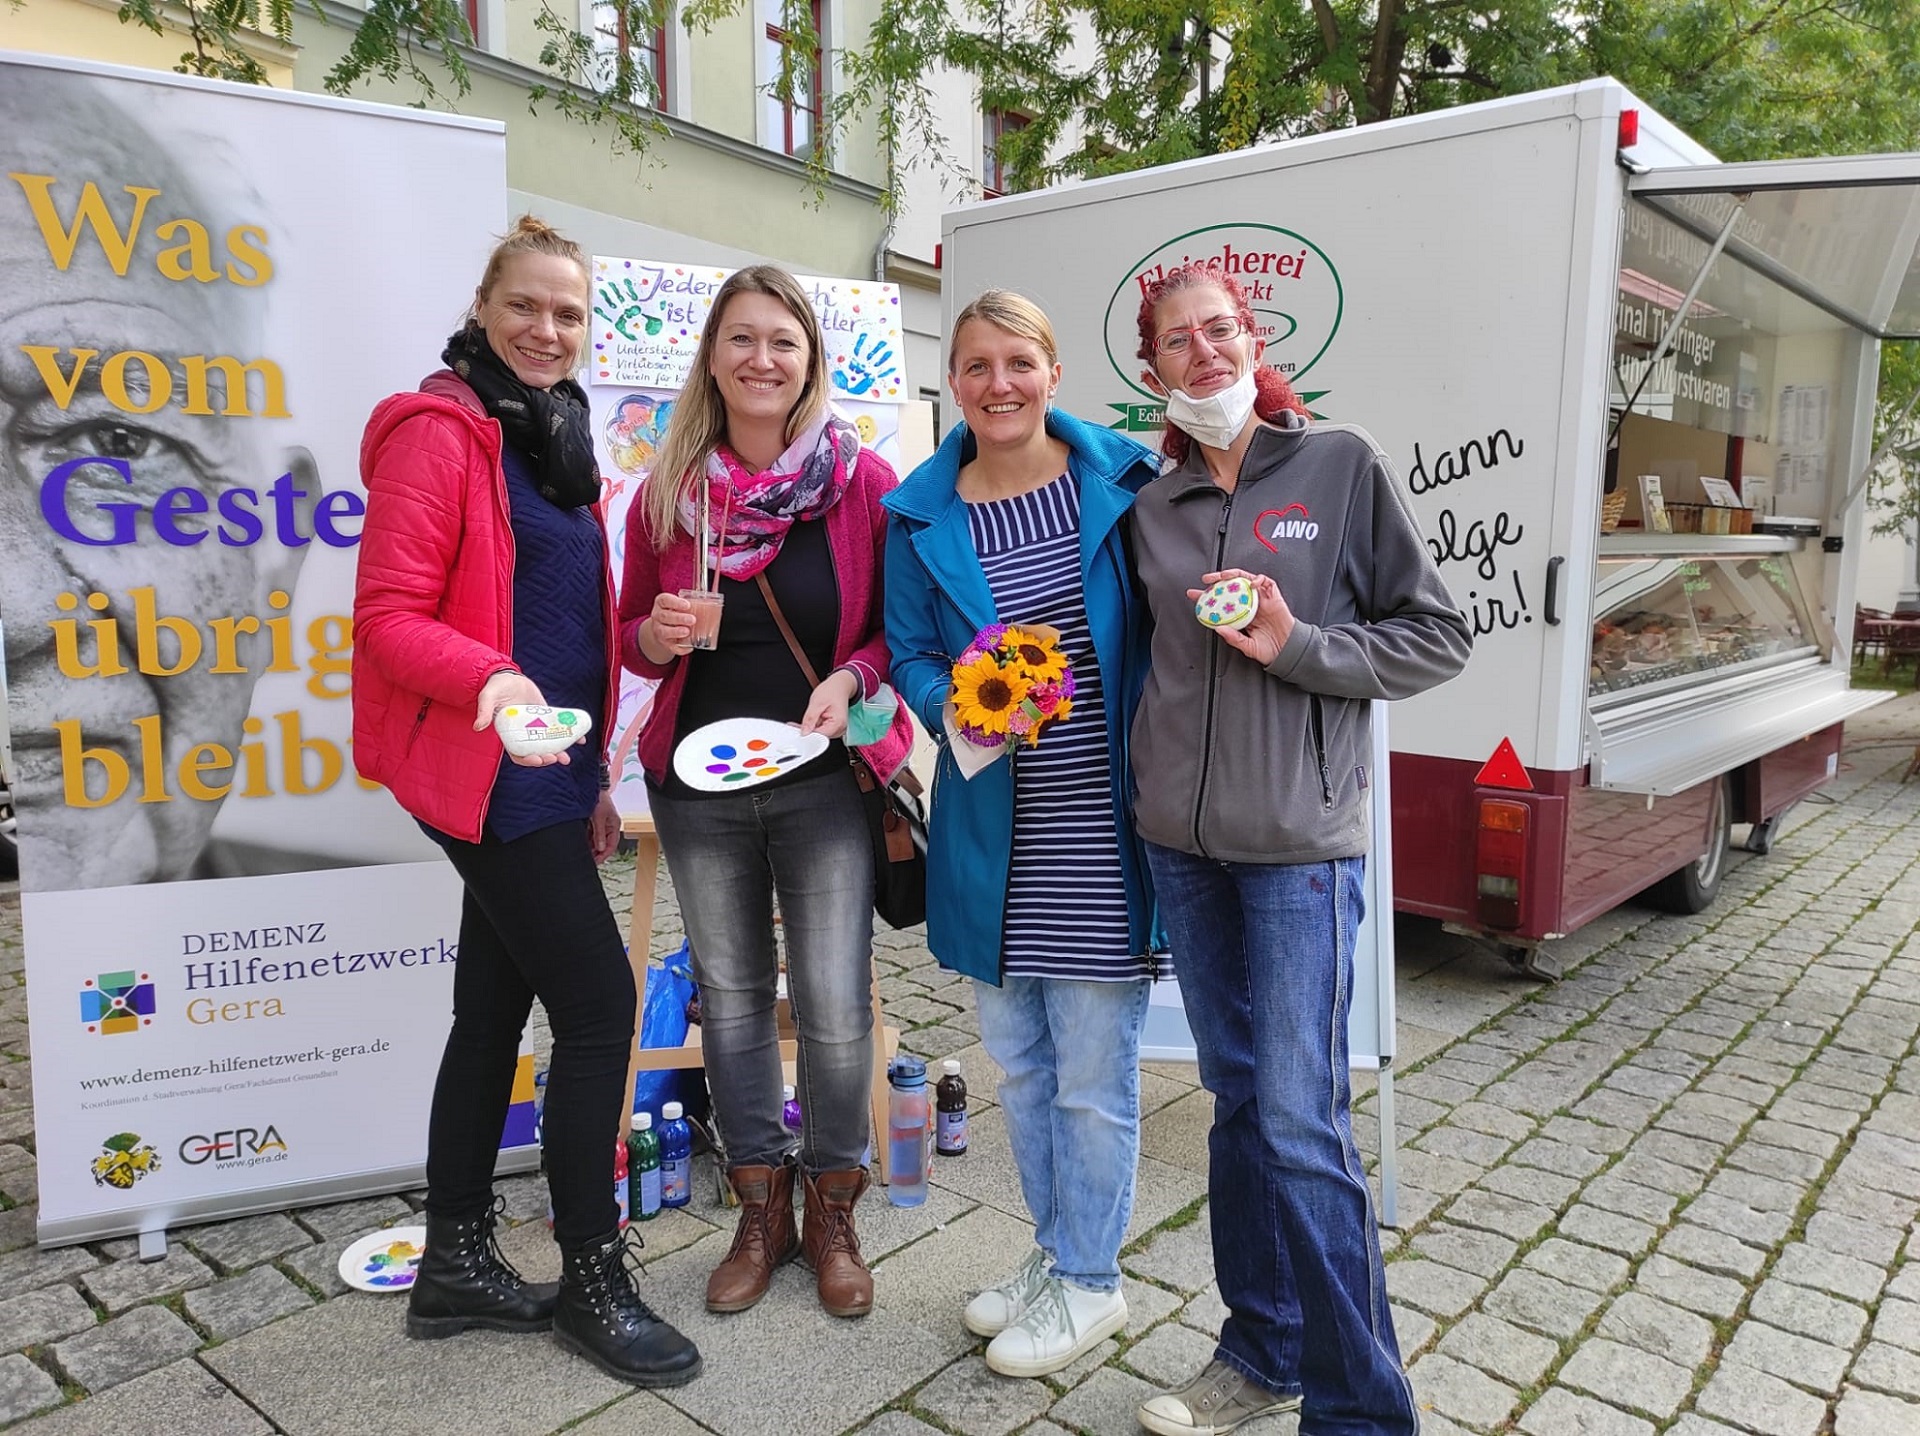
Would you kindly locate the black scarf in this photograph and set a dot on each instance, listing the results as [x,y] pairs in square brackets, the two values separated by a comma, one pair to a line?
[549,426]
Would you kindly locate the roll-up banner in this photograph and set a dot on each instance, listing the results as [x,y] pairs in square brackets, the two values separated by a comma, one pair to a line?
[239,956]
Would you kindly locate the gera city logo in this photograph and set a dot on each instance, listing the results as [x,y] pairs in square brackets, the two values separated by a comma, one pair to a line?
[235,1147]
[124,1159]
[1295,291]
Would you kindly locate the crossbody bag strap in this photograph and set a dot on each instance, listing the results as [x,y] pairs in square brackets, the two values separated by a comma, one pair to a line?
[786,629]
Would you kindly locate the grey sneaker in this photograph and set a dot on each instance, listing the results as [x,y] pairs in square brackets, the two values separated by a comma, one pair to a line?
[1215,1402]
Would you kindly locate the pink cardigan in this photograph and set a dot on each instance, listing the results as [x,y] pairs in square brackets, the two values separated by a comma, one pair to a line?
[857,540]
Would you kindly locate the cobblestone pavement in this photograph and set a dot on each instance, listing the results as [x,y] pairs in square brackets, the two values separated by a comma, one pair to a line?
[1673,1192]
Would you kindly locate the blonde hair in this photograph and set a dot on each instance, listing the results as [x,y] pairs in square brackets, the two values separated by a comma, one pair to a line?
[1012,313]
[698,424]
[532,235]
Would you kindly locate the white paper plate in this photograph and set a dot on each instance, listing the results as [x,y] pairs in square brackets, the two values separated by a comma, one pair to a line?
[384,1260]
[739,753]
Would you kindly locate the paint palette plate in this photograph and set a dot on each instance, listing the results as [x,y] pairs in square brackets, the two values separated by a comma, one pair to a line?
[526,729]
[385,1260]
[740,753]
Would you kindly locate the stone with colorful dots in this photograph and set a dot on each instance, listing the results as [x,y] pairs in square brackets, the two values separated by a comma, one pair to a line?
[1230,604]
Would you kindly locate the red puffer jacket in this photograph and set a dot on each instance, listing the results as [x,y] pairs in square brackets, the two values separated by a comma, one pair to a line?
[433,605]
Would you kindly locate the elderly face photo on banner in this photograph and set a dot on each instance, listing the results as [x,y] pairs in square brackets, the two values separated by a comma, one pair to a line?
[158,508]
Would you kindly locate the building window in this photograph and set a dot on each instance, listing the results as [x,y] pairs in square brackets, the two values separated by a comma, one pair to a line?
[798,126]
[995,126]
[645,49]
[471,9]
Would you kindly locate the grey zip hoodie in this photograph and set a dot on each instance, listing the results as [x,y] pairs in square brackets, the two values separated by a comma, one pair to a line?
[1273,766]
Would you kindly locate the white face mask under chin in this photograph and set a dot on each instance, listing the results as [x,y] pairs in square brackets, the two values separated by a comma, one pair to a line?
[1216,420]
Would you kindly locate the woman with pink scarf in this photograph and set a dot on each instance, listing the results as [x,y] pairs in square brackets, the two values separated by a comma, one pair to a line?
[758,474]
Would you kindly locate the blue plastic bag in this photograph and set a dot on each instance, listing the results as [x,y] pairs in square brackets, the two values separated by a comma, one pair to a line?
[663,1023]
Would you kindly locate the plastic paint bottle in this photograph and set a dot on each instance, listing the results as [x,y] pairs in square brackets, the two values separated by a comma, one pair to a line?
[646,1164]
[907,1132]
[676,1157]
[619,1184]
[950,1101]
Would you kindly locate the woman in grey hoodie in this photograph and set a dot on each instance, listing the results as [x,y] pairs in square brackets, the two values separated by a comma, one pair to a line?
[1256,836]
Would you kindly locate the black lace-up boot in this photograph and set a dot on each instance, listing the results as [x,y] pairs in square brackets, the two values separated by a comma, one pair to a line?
[601,1317]
[464,1281]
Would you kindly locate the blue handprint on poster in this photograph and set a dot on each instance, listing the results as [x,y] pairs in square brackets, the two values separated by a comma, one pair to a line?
[868,371]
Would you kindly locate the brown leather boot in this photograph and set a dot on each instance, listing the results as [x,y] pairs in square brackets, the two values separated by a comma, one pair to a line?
[764,1238]
[831,1248]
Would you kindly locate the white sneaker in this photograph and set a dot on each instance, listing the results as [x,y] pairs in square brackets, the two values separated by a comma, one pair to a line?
[1061,1324]
[999,1307]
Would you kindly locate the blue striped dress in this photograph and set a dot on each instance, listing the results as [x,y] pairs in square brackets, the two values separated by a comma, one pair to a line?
[1066,912]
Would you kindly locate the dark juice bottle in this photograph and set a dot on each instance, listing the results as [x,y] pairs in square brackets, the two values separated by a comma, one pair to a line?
[950,1104]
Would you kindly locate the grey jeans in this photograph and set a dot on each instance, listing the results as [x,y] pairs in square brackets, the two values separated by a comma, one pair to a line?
[730,855]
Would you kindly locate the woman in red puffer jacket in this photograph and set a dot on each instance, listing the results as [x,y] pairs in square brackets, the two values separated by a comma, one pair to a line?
[483,582]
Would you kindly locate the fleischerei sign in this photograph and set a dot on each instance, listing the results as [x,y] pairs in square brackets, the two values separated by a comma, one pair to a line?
[239,954]
[1291,283]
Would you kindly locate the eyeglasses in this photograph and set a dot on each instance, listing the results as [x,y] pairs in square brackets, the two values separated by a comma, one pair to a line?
[1217,331]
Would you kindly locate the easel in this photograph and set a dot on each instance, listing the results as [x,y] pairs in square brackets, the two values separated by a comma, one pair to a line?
[646,865]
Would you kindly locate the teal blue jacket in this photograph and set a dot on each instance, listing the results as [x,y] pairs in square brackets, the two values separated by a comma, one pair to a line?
[937,599]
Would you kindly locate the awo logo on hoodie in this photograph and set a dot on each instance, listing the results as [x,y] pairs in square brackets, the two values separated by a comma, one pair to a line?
[1292,522]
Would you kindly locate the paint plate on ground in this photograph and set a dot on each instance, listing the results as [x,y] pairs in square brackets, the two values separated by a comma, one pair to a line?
[739,753]
[384,1260]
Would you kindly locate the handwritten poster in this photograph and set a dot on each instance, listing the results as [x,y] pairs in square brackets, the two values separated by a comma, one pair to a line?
[648,316]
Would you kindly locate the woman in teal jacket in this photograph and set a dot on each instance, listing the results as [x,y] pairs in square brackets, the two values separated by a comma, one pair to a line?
[1036,885]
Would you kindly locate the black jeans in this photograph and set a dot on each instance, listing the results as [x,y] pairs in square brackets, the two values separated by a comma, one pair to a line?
[534,922]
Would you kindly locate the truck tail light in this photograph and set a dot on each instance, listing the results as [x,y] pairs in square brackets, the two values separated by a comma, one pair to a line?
[1629,129]
[1501,861]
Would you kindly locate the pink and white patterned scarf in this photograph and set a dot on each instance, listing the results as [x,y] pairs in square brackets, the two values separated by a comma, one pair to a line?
[751,513]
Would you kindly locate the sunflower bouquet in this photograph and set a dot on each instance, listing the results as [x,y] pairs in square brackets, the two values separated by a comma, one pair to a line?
[1010,685]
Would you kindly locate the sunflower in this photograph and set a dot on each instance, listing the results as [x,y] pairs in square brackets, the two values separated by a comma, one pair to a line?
[984,694]
[1036,659]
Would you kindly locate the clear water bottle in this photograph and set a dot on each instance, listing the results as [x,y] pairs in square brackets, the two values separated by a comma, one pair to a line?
[790,1112]
[907,1132]
[645,1164]
[676,1157]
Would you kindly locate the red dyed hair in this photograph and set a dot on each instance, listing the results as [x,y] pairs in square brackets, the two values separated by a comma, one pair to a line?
[1273,395]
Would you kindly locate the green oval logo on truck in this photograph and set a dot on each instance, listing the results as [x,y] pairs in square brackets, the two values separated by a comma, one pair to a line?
[1295,290]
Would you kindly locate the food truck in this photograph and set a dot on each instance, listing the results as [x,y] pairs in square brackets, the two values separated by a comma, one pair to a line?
[1629,391]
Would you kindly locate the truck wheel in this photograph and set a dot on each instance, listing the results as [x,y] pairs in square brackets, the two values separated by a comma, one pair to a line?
[9,841]
[1695,886]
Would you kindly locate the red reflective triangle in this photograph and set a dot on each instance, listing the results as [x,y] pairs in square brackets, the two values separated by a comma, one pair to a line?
[1504,770]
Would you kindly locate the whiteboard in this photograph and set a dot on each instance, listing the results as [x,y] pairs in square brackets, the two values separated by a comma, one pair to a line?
[1167,1038]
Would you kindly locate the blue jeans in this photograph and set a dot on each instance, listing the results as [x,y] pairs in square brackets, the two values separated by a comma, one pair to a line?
[729,855]
[1264,953]
[1070,1055]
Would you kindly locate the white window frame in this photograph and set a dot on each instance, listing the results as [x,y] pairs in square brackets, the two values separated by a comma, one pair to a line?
[674,62]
